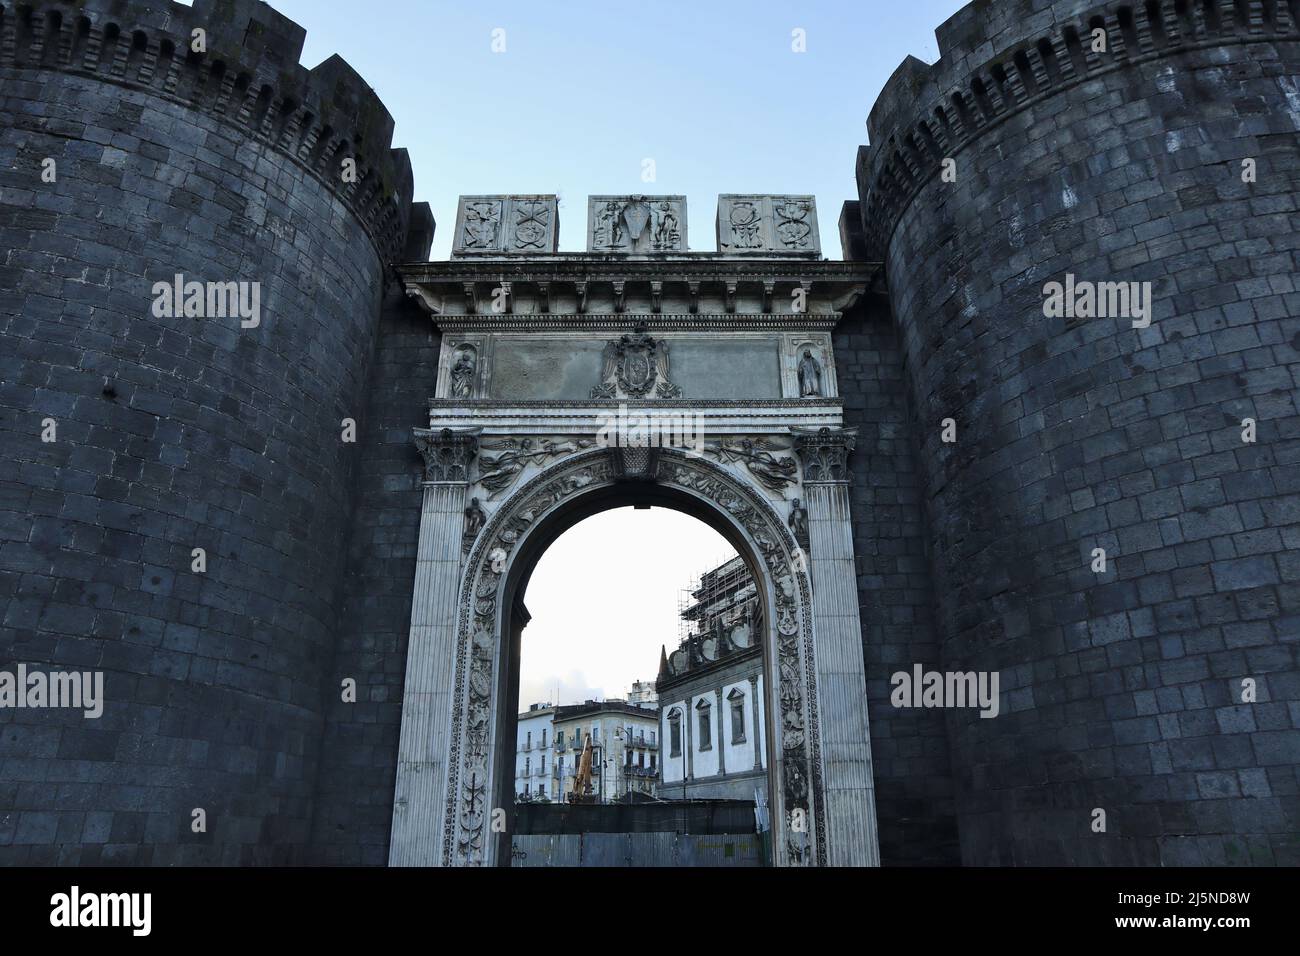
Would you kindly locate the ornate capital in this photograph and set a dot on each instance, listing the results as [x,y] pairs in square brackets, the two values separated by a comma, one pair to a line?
[825,453]
[447,454]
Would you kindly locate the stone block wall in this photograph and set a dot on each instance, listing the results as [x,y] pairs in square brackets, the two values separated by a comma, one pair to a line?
[1125,690]
[176,433]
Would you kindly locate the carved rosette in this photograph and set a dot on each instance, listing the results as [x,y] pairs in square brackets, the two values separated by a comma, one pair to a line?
[465,835]
[825,453]
[447,454]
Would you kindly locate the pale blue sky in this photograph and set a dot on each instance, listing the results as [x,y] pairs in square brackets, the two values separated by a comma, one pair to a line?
[586,90]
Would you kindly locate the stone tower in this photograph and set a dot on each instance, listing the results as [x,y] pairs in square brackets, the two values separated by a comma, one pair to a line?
[215,157]
[1151,143]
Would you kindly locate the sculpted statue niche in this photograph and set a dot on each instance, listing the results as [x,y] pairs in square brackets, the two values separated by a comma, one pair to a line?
[462,373]
[810,376]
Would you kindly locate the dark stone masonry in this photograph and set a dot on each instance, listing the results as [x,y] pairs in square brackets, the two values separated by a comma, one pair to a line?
[1023,155]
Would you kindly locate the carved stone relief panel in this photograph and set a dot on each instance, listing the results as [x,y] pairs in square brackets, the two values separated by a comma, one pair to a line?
[636,225]
[766,225]
[506,225]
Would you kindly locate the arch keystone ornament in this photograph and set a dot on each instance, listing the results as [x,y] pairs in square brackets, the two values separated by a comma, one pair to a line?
[537,449]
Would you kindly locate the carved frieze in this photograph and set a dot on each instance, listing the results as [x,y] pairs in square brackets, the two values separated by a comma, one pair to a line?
[636,225]
[506,225]
[768,225]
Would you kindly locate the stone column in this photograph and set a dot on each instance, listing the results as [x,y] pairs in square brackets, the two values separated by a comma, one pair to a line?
[850,810]
[755,711]
[419,799]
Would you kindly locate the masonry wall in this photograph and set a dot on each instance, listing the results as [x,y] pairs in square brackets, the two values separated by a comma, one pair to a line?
[354,805]
[909,747]
[176,433]
[1122,690]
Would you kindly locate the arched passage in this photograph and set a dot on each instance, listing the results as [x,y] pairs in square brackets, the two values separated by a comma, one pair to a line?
[451,805]
[487,661]
[529,553]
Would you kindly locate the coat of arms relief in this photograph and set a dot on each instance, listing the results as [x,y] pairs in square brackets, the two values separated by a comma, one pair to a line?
[635,366]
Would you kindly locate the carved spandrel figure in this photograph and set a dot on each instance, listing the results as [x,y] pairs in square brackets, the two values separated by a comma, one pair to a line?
[474,521]
[810,376]
[799,523]
[462,374]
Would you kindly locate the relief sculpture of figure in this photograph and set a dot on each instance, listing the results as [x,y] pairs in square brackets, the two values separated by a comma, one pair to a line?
[667,236]
[799,523]
[462,374]
[474,521]
[810,376]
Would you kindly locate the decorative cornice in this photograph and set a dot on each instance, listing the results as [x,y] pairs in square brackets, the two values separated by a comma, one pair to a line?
[611,322]
[575,267]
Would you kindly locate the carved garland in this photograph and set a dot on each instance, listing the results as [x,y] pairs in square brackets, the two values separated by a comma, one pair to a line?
[469,783]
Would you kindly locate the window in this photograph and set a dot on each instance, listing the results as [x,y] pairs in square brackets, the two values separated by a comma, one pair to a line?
[652,763]
[706,725]
[737,699]
[543,763]
[528,767]
[629,757]
[559,738]
[640,760]
[675,732]
[529,745]
[543,739]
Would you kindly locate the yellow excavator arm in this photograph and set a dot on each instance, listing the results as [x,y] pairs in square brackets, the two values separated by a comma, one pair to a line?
[582,779]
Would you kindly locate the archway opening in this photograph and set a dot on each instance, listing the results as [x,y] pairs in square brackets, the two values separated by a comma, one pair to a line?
[635,700]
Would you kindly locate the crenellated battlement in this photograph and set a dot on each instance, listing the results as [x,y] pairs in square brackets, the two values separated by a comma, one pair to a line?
[999,57]
[248,76]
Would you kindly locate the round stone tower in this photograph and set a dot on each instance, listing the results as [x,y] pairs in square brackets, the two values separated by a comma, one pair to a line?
[175,480]
[1116,521]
